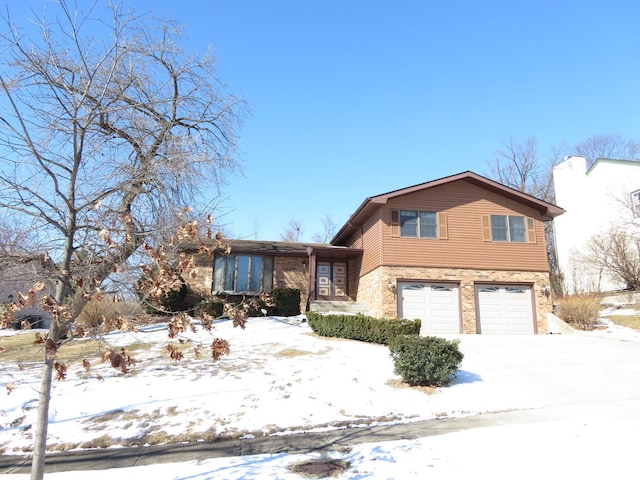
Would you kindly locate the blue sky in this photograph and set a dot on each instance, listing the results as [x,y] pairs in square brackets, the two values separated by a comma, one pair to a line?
[351,99]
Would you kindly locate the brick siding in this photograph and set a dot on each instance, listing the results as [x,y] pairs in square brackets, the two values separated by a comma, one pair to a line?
[383,303]
[292,272]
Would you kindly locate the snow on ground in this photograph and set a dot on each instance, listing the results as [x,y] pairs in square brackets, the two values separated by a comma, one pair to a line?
[281,378]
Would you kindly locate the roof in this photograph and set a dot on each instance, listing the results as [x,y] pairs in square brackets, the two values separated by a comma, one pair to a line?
[287,249]
[598,161]
[372,204]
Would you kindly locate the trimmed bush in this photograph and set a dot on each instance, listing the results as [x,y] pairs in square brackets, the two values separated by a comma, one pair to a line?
[579,311]
[214,308]
[425,361]
[361,327]
[287,301]
[256,306]
[173,301]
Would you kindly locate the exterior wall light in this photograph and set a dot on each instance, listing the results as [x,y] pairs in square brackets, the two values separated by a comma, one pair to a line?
[545,291]
[391,287]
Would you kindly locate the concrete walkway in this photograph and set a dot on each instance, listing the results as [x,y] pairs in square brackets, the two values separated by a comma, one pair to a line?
[333,440]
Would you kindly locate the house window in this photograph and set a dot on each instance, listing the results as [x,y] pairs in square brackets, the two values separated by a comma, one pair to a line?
[635,203]
[508,228]
[243,274]
[414,223]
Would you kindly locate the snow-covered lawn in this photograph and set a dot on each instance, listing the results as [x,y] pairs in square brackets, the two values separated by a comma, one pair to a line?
[281,378]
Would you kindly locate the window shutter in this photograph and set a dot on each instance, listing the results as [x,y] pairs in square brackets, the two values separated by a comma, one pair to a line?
[486,228]
[531,230]
[395,223]
[443,231]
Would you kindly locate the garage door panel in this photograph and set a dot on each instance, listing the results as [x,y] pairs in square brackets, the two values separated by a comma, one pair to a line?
[436,305]
[504,309]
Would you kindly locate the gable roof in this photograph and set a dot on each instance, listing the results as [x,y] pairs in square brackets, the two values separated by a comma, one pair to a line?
[371,204]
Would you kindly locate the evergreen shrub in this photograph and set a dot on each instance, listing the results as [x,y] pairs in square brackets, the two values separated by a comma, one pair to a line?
[361,327]
[425,361]
[287,301]
[215,308]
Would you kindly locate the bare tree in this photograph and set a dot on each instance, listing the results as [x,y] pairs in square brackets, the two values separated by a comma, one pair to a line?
[617,253]
[522,167]
[109,127]
[608,146]
[292,232]
[328,230]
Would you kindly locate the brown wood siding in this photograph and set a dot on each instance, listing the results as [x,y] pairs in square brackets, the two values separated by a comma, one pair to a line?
[464,246]
[370,240]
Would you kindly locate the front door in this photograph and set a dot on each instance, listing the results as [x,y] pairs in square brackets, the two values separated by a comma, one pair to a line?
[331,279]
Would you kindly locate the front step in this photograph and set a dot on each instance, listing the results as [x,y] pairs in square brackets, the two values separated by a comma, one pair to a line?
[330,306]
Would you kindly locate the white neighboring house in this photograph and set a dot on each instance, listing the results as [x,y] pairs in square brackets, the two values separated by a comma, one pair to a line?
[606,195]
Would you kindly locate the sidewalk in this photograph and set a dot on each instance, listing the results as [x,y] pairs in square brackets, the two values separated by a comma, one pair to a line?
[301,443]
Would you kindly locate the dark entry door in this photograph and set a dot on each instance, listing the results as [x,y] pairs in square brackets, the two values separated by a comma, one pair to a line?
[331,279]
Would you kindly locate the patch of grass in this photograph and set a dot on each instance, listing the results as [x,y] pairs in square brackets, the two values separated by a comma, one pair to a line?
[104,441]
[398,383]
[62,447]
[292,352]
[631,321]
[108,416]
[171,411]
[22,348]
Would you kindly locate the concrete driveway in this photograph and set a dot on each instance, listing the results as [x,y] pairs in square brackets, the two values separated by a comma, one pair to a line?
[578,374]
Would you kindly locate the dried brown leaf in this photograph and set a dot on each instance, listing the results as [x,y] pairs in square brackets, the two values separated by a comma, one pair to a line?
[119,360]
[174,352]
[219,347]
[60,371]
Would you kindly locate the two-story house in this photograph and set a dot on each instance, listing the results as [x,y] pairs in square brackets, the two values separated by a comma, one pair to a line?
[605,196]
[463,253]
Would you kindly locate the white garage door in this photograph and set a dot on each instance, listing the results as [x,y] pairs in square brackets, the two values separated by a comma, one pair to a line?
[436,304]
[505,309]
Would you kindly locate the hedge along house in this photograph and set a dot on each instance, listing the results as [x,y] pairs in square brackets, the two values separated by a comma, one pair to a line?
[463,253]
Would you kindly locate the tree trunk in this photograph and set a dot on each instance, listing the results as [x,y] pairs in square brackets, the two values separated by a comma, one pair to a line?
[42,423]
[56,330]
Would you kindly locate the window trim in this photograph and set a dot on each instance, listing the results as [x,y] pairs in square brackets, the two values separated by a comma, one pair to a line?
[529,229]
[441,229]
[419,215]
[222,275]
